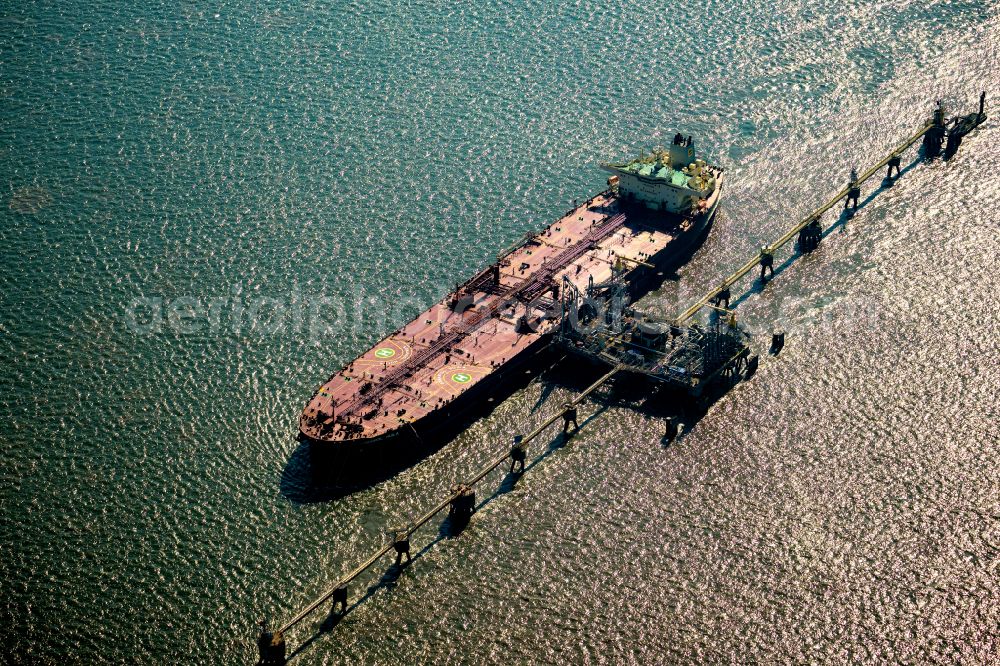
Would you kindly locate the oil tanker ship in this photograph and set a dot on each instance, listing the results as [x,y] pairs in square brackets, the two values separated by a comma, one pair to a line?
[434,370]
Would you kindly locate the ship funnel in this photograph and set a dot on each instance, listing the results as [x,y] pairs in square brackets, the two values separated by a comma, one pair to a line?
[681,151]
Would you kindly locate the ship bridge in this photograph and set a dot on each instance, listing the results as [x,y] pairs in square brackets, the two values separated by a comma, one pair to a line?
[673,180]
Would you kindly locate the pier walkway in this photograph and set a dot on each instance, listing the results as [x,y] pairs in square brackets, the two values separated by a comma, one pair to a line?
[814,216]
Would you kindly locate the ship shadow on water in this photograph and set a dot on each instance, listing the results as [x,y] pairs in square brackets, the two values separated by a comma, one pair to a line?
[309,478]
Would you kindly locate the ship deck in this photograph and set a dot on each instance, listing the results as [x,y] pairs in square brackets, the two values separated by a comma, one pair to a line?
[447,350]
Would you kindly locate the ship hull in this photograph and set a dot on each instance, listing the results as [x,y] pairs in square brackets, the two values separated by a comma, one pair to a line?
[367,460]
[406,445]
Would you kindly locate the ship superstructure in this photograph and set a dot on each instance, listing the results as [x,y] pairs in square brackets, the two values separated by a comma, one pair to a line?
[672,180]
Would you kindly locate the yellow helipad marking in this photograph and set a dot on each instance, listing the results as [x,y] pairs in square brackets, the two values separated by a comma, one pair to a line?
[390,352]
[457,377]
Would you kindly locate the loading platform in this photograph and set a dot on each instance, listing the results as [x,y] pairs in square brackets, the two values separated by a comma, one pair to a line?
[940,136]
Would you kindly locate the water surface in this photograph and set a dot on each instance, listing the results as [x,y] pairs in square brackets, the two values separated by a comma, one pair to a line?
[843,505]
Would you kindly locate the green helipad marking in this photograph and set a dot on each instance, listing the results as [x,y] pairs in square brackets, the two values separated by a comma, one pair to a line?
[461,377]
[385,352]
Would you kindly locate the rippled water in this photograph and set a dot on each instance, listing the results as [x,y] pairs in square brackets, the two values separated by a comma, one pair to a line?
[843,505]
